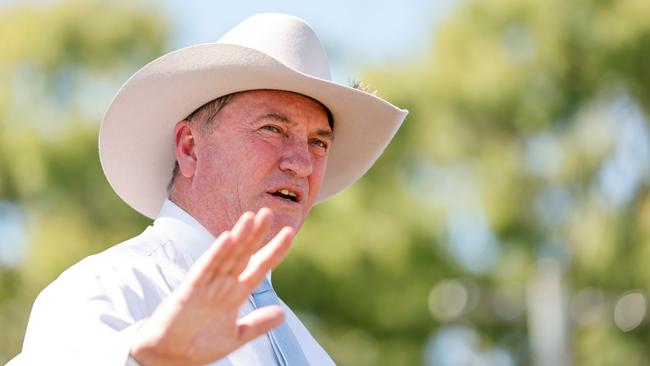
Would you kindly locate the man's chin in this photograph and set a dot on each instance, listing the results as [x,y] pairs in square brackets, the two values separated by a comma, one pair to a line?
[282,219]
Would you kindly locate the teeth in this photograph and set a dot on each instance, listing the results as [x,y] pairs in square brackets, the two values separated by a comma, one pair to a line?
[287,192]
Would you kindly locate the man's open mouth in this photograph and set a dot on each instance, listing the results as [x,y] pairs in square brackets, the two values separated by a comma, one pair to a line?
[286,194]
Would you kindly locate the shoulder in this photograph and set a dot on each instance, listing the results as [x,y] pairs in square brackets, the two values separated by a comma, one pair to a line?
[149,244]
[118,277]
[113,263]
[106,292]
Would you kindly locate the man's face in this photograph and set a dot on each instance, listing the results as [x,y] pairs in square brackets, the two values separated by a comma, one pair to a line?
[266,149]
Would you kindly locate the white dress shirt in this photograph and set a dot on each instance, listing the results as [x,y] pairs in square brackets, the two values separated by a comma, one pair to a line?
[89,314]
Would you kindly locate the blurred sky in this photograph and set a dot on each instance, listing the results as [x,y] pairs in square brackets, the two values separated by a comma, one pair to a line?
[356,34]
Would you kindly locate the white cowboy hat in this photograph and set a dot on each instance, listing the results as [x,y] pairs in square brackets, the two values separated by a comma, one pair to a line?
[265,51]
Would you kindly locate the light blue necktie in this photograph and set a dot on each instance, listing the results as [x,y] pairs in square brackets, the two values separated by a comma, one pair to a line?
[284,343]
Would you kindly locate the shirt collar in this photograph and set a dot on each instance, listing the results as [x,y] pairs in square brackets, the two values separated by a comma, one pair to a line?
[188,234]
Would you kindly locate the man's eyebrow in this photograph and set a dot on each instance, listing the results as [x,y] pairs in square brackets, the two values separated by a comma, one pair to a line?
[277,117]
[326,133]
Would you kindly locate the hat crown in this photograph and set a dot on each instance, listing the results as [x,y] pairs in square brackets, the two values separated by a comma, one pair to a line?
[286,38]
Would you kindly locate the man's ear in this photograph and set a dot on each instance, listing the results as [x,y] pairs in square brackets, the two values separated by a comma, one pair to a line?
[185,149]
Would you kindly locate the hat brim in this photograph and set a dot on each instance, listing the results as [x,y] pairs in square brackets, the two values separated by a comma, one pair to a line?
[136,138]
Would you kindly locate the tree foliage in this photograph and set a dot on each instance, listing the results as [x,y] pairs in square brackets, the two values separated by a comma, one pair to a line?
[528,139]
[59,66]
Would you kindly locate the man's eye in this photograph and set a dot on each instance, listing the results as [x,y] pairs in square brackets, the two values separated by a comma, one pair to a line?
[319,143]
[271,128]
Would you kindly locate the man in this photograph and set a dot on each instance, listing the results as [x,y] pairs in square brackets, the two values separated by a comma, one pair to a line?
[227,145]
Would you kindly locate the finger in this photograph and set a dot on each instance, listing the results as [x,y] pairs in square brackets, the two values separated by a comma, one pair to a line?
[203,269]
[259,322]
[240,236]
[267,258]
[261,227]
[261,224]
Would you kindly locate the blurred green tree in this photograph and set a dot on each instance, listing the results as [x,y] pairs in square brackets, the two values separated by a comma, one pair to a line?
[527,139]
[59,65]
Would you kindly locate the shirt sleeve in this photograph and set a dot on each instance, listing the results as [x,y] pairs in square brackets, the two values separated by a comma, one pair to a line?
[83,318]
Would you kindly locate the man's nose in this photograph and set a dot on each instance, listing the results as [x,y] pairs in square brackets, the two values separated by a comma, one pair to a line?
[296,158]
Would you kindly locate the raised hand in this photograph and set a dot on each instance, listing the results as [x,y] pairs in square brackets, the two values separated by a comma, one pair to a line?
[197,323]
